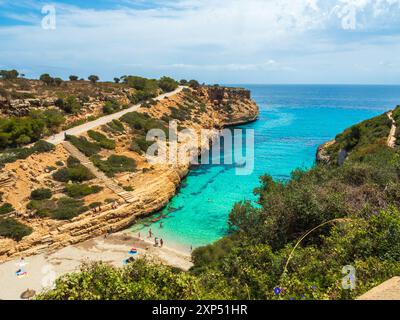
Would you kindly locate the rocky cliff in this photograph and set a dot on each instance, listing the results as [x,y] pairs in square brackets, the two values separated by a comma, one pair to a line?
[154,185]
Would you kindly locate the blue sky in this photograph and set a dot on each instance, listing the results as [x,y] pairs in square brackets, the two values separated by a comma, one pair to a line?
[229,41]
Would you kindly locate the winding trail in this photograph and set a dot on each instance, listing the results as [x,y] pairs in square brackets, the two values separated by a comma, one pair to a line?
[392,135]
[60,137]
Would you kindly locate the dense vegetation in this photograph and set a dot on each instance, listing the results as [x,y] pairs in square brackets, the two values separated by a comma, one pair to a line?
[140,144]
[112,106]
[115,127]
[81,190]
[141,124]
[19,131]
[41,194]
[350,214]
[13,229]
[9,74]
[141,280]
[71,104]
[102,140]
[114,164]
[6,208]
[362,139]
[75,172]
[62,209]
[83,145]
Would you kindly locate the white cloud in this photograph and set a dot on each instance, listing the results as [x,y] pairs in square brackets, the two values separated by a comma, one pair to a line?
[205,37]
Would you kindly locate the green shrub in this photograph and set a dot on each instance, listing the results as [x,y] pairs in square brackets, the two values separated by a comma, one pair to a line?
[11,228]
[143,123]
[142,95]
[68,209]
[93,78]
[62,209]
[396,115]
[6,208]
[181,113]
[140,144]
[102,140]
[140,83]
[9,74]
[59,163]
[71,105]
[194,84]
[42,146]
[360,140]
[47,79]
[114,164]
[114,126]
[83,145]
[81,190]
[72,162]
[41,194]
[42,208]
[111,107]
[167,84]
[78,173]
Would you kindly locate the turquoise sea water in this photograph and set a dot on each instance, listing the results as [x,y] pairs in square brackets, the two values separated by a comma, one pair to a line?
[294,121]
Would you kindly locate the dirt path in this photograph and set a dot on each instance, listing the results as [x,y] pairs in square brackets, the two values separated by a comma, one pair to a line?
[60,137]
[42,269]
[392,136]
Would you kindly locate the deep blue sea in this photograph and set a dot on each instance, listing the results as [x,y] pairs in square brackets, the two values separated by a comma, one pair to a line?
[294,120]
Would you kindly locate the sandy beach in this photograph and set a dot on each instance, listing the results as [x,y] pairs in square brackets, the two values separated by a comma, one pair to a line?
[44,268]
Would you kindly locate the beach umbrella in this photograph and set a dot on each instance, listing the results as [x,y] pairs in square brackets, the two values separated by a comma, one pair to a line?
[28,294]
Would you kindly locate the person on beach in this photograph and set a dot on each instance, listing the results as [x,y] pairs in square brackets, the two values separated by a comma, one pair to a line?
[150,233]
[161,225]
[156,242]
[139,236]
[21,268]
[161,243]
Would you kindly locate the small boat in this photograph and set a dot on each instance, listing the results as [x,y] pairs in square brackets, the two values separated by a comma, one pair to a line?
[156,219]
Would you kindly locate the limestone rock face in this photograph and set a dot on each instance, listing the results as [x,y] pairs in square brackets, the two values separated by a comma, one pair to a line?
[221,93]
[322,156]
